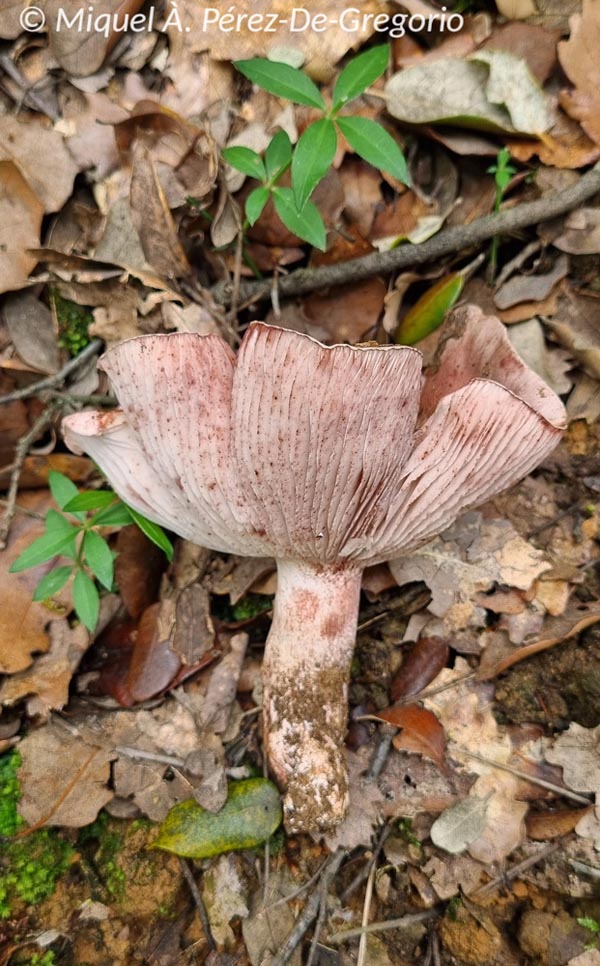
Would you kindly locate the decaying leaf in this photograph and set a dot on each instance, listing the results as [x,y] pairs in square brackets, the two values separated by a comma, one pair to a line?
[581,233]
[21,213]
[63,778]
[551,364]
[25,143]
[249,817]
[153,219]
[31,329]
[493,90]
[530,288]
[470,557]
[459,826]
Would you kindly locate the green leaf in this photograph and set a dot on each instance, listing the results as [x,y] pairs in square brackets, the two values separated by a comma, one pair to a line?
[248,818]
[306,224]
[52,583]
[61,487]
[90,500]
[255,202]
[63,490]
[99,558]
[46,547]
[372,142]
[359,74]
[312,159]
[428,312]
[117,515]
[282,80]
[154,532]
[278,155]
[246,160]
[86,600]
[56,523]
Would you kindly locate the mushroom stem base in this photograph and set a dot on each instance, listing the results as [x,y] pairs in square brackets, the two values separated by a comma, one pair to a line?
[306,672]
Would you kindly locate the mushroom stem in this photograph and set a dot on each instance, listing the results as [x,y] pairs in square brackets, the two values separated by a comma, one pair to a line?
[306,671]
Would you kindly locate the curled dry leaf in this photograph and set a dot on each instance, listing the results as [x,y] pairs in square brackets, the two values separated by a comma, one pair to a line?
[153,219]
[531,288]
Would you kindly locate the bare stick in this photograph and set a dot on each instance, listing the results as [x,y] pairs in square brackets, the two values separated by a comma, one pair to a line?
[309,913]
[449,241]
[51,381]
[199,902]
[20,453]
[404,923]
[515,871]
[540,782]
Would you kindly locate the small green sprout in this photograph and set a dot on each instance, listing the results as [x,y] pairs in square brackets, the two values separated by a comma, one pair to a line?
[76,534]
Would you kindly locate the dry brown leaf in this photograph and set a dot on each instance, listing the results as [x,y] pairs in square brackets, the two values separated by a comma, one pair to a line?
[470,557]
[533,44]
[321,49]
[21,213]
[45,684]
[420,731]
[82,52]
[551,825]
[10,25]
[31,328]
[63,778]
[579,59]
[421,665]
[531,288]
[550,363]
[565,145]
[153,219]
[26,143]
[581,232]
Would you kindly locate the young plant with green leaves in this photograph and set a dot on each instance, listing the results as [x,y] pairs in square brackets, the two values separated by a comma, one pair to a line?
[313,155]
[76,533]
[503,172]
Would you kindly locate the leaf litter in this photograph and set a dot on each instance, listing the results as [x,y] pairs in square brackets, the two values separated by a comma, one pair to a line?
[161,706]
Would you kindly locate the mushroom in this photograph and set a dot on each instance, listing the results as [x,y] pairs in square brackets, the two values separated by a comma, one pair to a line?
[329,459]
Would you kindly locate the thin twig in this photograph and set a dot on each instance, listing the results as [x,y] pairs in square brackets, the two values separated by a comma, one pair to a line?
[55,380]
[404,923]
[21,451]
[237,277]
[309,913]
[364,873]
[29,95]
[199,903]
[362,946]
[540,782]
[446,242]
[23,509]
[515,871]
[303,888]
[385,736]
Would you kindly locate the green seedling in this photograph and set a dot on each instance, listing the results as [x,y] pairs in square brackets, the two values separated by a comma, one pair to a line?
[76,534]
[503,172]
[313,155]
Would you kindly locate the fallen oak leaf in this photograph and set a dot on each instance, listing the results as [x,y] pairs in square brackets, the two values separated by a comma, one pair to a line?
[420,731]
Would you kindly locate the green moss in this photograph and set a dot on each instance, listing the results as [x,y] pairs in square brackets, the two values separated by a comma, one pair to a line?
[31,865]
[73,323]
[249,606]
[110,840]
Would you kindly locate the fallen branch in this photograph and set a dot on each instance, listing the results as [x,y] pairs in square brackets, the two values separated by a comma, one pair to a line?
[305,280]
[55,380]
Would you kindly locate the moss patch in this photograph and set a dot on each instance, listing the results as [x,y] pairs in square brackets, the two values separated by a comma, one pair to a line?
[30,866]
